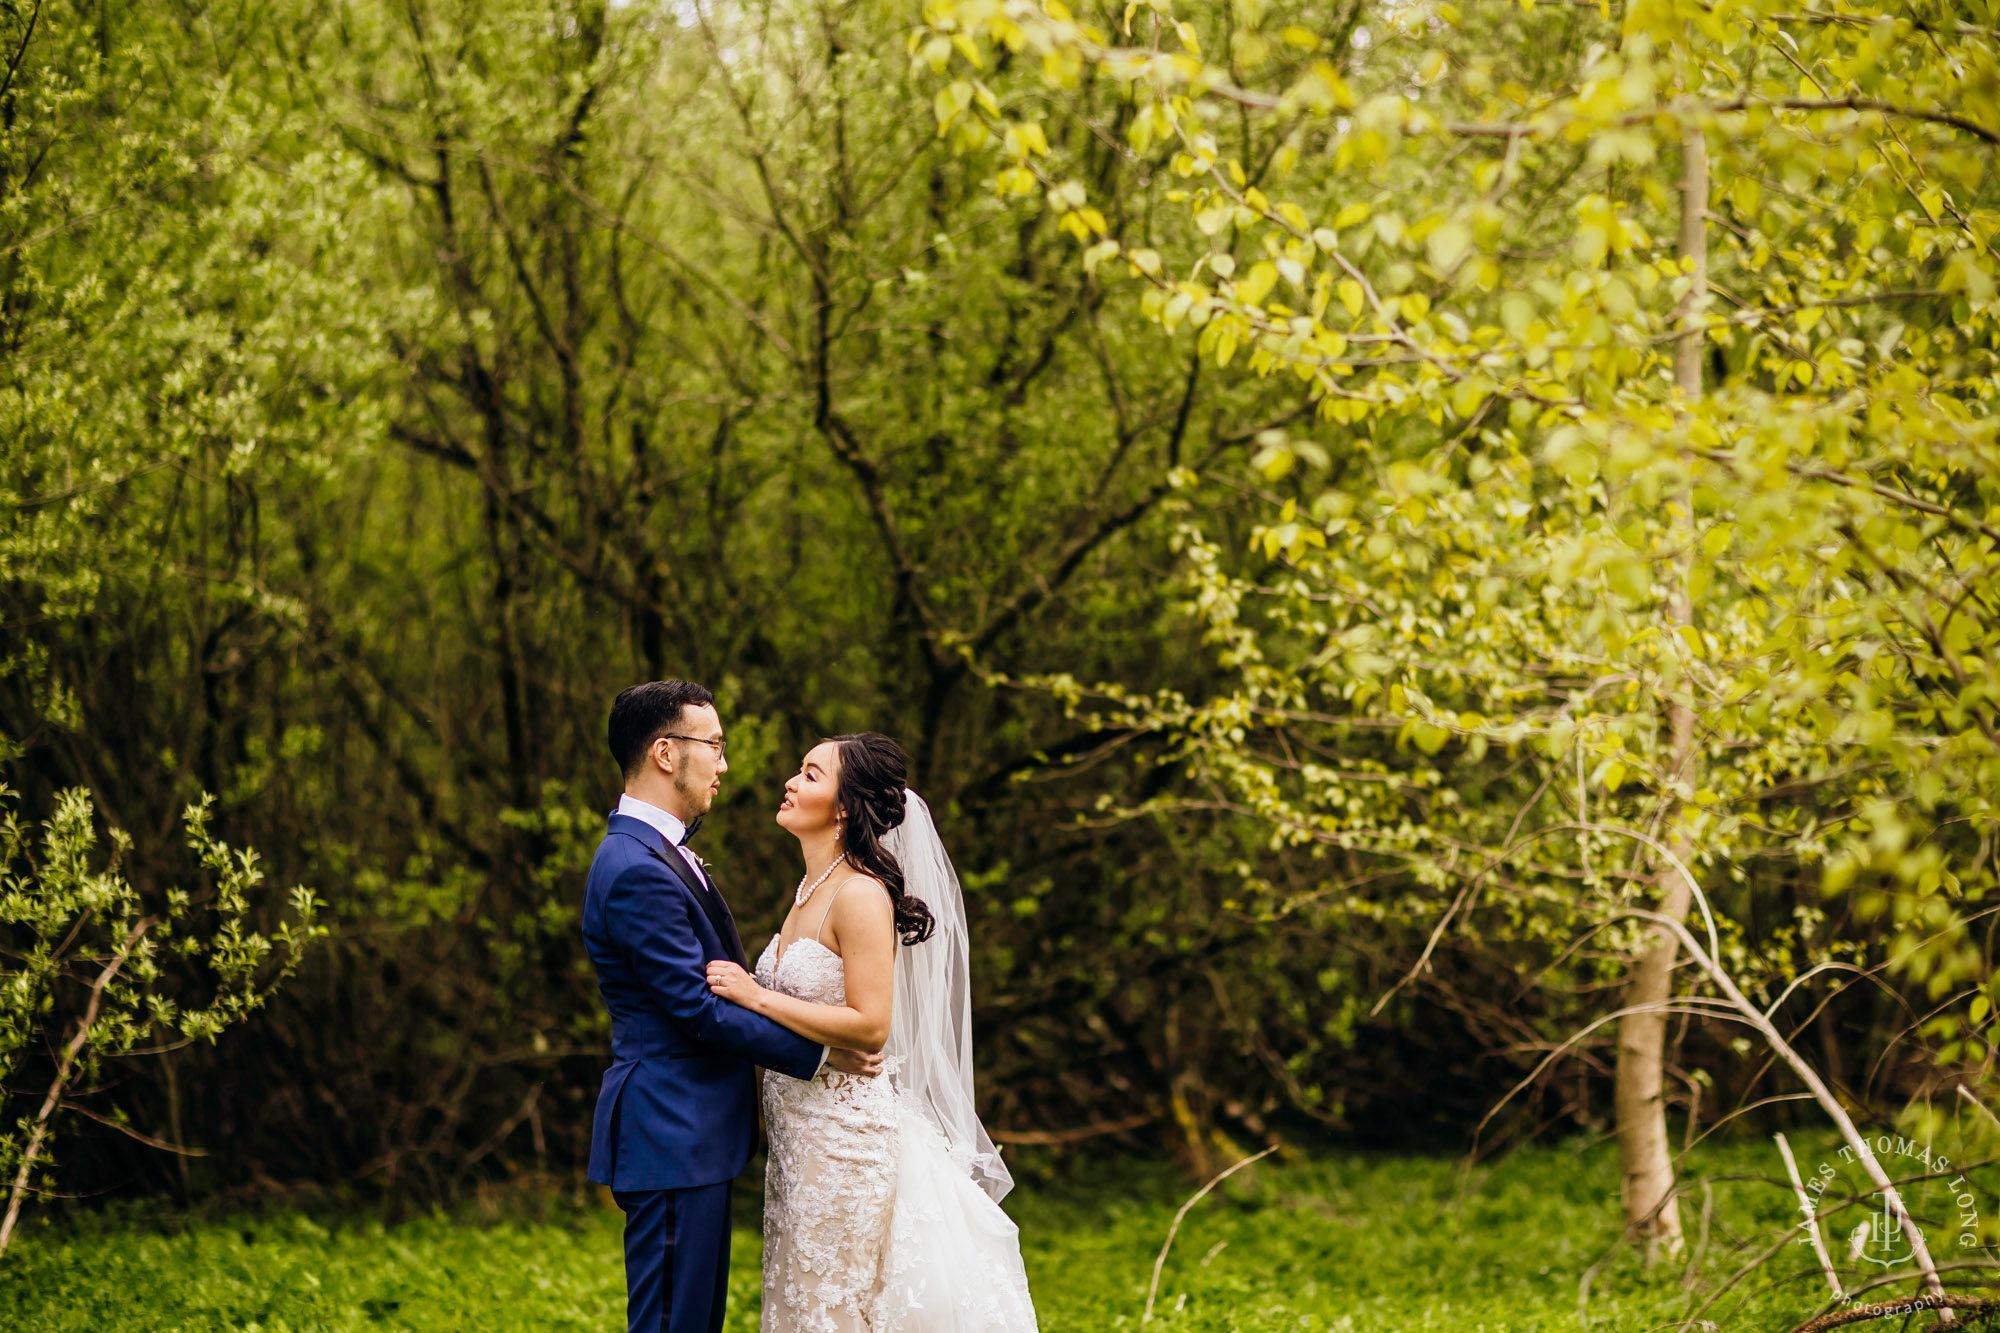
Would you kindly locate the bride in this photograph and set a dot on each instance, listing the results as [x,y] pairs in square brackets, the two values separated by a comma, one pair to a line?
[881,1198]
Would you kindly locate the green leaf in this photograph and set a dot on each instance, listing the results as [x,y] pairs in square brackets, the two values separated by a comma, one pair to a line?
[1257,283]
[1448,243]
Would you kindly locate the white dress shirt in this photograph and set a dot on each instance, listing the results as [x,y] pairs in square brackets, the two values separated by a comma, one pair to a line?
[673,831]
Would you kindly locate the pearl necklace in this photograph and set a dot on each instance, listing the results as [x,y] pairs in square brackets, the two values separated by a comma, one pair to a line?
[803,892]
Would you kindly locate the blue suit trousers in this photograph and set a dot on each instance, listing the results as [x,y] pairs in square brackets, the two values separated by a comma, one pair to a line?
[676,1258]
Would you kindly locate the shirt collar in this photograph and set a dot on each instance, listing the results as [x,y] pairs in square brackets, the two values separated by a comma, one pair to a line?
[669,827]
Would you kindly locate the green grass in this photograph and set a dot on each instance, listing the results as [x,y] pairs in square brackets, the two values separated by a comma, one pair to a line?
[1348,1243]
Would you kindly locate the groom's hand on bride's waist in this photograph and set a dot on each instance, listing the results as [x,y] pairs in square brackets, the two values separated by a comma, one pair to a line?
[854,1062]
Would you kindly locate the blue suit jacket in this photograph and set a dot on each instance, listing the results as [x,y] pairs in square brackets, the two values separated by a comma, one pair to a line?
[678,1105]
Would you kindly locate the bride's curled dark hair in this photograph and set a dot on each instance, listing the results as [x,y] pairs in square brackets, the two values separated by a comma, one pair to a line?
[873,774]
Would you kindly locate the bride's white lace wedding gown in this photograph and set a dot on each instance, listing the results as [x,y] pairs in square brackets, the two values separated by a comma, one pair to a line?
[871,1223]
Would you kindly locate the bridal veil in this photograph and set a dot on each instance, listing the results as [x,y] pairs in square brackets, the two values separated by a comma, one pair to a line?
[930,1031]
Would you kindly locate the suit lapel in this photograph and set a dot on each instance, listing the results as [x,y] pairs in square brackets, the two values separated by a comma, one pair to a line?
[718,911]
[711,902]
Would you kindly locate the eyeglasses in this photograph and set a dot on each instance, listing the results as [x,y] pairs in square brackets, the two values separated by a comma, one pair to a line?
[718,743]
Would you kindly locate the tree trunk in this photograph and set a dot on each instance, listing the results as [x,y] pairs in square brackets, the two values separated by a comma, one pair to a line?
[1644,1153]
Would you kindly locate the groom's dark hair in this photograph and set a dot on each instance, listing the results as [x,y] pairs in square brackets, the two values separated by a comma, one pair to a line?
[641,712]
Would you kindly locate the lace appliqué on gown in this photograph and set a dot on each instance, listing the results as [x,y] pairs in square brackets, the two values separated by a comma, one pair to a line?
[871,1223]
[830,1184]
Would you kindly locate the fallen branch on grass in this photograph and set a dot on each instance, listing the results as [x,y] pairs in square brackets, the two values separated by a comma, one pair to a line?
[1153,1291]
[1811,1214]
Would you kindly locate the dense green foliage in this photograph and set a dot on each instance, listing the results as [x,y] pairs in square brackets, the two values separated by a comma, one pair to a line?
[1642,554]
[386,385]
[394,384]
[1566,487]
[1348,1244]
[1492,546]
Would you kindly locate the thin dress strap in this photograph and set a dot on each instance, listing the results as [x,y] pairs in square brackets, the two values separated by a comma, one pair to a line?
[829,907]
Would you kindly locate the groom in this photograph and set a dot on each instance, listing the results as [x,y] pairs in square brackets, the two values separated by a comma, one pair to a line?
[675,1115]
